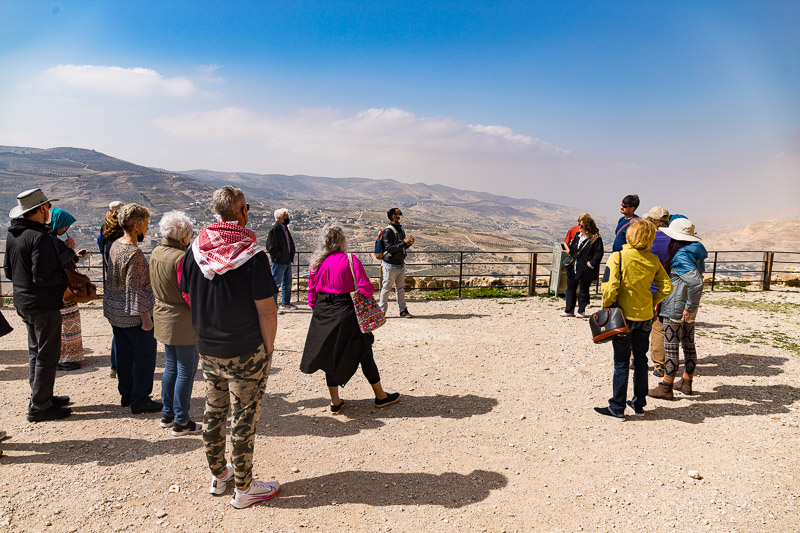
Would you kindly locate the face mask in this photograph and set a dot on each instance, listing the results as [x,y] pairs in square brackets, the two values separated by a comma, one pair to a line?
[49,219]
[140,237]
[286,221]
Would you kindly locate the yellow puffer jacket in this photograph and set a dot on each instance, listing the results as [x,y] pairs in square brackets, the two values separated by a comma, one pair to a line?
[632,292]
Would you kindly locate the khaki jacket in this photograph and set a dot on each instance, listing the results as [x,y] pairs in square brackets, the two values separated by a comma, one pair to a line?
[172,318]
[632,292]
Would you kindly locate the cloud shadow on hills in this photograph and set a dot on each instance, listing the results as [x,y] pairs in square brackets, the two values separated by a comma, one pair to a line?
[280,418]
[740,364]
[379,489]
[761,400]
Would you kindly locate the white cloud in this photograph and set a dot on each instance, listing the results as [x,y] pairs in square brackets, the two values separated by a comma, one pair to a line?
[128,82]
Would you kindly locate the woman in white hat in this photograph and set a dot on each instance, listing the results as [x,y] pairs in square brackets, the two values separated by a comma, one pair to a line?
[685,265]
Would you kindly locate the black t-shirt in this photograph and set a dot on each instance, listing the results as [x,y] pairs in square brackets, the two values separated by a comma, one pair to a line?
[224,315]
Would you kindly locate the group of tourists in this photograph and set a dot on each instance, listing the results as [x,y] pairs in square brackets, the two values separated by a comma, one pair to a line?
[212,300]
[654,275]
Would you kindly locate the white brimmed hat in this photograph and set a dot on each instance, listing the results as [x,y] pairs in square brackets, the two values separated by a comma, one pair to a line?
[681,229]
[28,201]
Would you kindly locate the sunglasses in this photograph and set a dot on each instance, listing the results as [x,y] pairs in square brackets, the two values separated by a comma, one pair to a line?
[247,207]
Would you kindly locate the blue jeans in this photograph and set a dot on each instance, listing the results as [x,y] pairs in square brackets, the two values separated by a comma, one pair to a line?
[637,340]
[177,381]
[136,363]
[282,274]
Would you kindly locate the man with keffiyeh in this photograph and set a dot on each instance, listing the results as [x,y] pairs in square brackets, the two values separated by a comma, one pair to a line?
[227,277]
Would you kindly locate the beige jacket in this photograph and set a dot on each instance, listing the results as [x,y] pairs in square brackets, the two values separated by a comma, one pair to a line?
[172,318]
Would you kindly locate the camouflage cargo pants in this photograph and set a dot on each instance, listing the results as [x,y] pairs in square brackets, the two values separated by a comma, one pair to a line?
[237,383]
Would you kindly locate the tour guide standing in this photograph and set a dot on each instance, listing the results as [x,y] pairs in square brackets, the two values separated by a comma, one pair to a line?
[395,243]
[280,246]
[35,269]
[230,287]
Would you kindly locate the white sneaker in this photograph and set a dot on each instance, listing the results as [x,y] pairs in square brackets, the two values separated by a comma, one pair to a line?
[218,484]
[565,314]
[259,491]
[581,315]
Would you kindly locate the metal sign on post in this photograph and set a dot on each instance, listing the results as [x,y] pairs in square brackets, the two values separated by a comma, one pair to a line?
[558,274]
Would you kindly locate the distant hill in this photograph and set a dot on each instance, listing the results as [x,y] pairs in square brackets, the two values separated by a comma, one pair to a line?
[772,235]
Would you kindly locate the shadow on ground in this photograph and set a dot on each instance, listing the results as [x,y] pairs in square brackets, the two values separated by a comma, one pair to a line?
[105,451]
[449,489]
[749,400]
[280,418]
[740,364]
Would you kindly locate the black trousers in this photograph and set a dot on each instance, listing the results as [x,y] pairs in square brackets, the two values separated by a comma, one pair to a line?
[44,351]
[368,367]
[580,285]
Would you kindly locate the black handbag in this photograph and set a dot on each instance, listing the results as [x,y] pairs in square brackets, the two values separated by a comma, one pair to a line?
[568,261]
[608,324]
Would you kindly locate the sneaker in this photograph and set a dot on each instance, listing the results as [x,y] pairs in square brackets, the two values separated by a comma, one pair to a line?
[148,406]
[606,412]
[658,372]
[259,491]
[581,315]
[637,411]
[336,408]
[289,306]
[389,400]
[566,315]
[282,309]
[218,484]
[405,314]
[167,422]
[113,374]
[51,413]
[190,428]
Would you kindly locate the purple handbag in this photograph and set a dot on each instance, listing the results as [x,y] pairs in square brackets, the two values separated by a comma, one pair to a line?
[368,312]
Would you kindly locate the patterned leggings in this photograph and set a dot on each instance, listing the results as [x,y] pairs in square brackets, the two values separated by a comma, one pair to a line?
[679,333]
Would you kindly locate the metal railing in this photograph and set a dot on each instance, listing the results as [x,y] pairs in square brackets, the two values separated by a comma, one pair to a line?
[526,271]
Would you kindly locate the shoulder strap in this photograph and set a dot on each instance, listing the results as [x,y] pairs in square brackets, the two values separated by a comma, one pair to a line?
[352,271]
[625,225]
[392,228]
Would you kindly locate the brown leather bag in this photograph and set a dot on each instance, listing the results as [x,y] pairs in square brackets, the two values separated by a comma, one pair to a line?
[80,288]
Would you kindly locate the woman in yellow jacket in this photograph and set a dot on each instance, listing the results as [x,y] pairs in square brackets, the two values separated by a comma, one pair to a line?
[627,285]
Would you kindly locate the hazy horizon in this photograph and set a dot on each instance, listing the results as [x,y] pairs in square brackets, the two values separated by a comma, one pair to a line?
[691,106]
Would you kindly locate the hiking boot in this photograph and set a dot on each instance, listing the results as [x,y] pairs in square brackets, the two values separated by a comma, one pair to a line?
[259,491]
[637,411]
[189,428]
[51,413]
[684,386]
[663,391]
[389,400]
[218,484]
[606,412]
[167,422]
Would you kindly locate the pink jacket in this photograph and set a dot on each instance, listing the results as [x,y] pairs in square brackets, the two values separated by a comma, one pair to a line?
[333,277]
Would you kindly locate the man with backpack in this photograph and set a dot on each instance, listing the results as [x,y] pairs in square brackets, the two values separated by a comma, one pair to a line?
[391,249]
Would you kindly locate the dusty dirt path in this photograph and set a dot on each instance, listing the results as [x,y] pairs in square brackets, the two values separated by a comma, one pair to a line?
[495,432]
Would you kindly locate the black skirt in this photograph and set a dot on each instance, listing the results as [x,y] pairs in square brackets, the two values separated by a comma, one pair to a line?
[334,342]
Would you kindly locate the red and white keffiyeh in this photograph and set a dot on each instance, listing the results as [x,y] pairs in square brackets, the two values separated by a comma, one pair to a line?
[223,246]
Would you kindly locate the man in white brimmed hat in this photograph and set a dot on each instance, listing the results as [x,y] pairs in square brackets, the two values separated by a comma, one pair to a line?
[33,265]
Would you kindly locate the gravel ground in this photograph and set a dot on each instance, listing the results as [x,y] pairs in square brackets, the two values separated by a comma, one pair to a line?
[494,432]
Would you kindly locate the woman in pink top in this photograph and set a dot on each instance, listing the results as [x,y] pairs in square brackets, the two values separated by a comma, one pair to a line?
[334,342]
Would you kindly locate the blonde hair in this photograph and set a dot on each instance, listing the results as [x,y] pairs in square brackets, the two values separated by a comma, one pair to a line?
[640,234]
[130,214]
[111,228]
[589,225]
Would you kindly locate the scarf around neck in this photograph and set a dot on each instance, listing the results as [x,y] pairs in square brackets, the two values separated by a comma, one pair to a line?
[223,246]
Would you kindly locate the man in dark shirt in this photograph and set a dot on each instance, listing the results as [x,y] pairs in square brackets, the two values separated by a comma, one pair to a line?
[34,267]
[231,290]
[393,265]
[280,246]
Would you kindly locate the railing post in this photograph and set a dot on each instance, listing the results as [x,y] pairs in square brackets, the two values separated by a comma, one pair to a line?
[532,275]
[298,277]
[460,272]
[769,258]
[714,272]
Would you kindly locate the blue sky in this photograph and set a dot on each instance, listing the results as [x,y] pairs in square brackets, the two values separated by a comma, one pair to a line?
[576,103]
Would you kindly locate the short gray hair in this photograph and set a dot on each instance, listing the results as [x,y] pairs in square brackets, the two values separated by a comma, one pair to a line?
[226,201]
[175,225]
[280,212]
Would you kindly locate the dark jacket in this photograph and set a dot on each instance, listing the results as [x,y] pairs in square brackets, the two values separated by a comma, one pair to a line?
[68,256]
[394,246]
[276,245]
[591,252]
[34,266]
